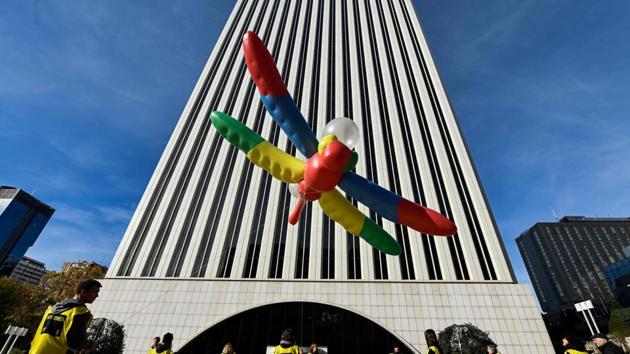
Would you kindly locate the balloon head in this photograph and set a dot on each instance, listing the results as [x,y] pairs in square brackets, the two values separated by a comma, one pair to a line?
[344,130]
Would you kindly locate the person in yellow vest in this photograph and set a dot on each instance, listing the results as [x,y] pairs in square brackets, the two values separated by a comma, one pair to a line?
[64,326]
[156,341]
[571,346]
[166,347]
[287,344]
[432,342]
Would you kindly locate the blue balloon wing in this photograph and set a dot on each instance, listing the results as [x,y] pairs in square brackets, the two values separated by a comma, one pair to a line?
[275,96]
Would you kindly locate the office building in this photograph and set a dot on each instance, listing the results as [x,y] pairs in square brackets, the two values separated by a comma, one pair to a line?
[22,219]
[29,271]
[210,257]
[564,259]
[81,264]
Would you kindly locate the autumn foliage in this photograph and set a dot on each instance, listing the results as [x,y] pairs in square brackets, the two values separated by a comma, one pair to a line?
[24,304]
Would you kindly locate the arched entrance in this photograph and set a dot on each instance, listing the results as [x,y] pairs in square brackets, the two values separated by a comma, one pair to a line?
[342,331]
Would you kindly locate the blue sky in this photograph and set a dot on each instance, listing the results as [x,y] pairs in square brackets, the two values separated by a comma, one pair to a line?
[90,92]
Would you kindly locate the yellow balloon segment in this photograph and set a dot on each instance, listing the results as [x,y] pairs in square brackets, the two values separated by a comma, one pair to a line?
[339,209]
[325,141]
[277,162]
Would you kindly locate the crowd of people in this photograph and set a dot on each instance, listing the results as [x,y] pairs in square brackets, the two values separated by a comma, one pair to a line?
[287,345]
[63,329]
[604,345]
[163,347]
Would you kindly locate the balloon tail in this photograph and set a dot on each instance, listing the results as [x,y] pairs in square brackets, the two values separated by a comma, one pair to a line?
[297,211]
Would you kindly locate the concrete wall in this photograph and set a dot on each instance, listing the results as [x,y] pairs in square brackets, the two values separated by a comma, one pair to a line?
[186,307]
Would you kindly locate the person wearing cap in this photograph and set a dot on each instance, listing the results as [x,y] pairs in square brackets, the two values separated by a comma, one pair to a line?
[492,349]
[605,346]
[571,346]
[432,342]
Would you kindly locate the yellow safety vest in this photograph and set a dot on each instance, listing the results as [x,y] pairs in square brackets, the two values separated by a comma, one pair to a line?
[51,333]
[435,350]
[154,351]
[573,351]
[290,350]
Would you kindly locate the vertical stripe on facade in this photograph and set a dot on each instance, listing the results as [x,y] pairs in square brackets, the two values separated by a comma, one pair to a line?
[454,244]
[479,242]
[428,242]
[304,228]
[173,208]
[212,221]
[140,234]
[328,226]
[353,250]
[237,210]
[379,259]
[262,200]
[284,202]
[405,258]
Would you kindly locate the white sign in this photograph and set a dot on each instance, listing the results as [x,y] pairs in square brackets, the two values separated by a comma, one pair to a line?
[16,331]
[584,305]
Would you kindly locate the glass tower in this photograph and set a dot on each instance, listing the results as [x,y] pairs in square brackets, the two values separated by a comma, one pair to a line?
[22,219]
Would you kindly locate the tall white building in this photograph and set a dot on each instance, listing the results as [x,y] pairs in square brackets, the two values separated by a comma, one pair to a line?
[210,257]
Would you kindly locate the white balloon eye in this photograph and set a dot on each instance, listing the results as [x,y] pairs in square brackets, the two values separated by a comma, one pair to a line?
[293,189]
[344,129]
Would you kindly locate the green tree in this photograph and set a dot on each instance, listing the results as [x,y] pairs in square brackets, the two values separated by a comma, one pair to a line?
[619,324]
[465,338]
[22,305]
[108,335]
[61,285]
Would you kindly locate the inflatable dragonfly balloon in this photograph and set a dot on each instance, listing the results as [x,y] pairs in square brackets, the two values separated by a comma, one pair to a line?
[329,164]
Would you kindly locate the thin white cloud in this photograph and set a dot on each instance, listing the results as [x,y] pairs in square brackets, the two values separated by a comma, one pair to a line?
[80,233]
[81,153]
[498,30]
[73,216]
[61,243]
[115,214]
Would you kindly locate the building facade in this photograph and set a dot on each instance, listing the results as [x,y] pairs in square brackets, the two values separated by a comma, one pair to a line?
[209,242]
[29,270]
[565,259]
[22,219]
[81,264]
